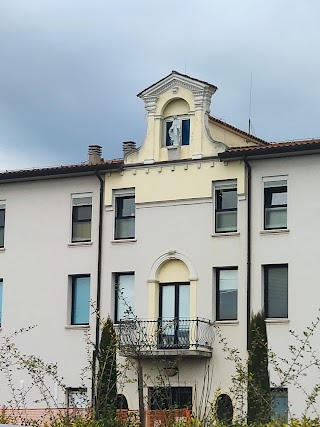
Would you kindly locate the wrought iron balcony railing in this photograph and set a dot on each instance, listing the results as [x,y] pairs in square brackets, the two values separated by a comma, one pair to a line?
[138,336]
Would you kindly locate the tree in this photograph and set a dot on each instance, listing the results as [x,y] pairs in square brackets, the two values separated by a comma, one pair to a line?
[259,397]
[106,390]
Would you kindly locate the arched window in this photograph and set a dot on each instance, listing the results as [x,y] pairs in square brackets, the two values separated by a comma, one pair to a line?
[122,402]
[224,409]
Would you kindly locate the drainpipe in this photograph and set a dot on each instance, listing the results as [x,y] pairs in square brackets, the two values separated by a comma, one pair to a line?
[248,169]
[97,333]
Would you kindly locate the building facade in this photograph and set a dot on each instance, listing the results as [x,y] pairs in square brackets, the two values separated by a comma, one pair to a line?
[178,243]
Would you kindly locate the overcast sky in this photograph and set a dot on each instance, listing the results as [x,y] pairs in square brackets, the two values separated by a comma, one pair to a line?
[70,69]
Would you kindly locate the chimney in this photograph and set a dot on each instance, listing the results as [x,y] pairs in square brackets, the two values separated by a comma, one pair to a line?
[94,154]
[128,146]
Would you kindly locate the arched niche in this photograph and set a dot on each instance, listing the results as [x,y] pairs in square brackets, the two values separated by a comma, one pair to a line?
[176,107]
[169,267]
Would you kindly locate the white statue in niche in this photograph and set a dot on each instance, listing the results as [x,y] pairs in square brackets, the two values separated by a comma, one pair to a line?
[175,132]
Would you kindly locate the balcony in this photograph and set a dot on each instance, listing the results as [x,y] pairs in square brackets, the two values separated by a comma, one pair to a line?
[140,338]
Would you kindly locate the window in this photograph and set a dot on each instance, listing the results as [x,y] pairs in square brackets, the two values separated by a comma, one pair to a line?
[276,291]
[170,397]
[226,202]
[275,204]
[1,288]
[177,131]
[174,315]
[227,294]
[80,307]
[81,218]
[2,221]
[77,398]
[124,296]
[279,404]
[224,409]
[125,217]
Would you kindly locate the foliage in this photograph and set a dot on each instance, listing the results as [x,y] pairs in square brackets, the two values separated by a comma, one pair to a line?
[106,393]
[259,400]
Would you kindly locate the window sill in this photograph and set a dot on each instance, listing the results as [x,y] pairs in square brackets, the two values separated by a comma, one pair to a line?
[123,241]
[226,322]
[77,327]
[229,234]
[277,321]
[276,231]
[2,249]
[76,244]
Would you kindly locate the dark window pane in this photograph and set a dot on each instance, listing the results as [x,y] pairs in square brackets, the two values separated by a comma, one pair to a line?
[276,217]
[82,213]
[168,140]
[1,237]
[2,217]
[171,398]
[276,292]
[226,221]
[224,409]
[185,132]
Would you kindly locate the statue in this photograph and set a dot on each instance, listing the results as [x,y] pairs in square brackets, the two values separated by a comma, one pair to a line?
[175,132]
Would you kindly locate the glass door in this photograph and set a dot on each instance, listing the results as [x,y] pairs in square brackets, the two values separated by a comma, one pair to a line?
[174,313]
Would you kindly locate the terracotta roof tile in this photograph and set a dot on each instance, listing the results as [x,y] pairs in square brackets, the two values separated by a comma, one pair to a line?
[61,170]
[275,145]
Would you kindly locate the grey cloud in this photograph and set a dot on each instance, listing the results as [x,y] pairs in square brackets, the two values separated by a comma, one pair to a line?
[71,69]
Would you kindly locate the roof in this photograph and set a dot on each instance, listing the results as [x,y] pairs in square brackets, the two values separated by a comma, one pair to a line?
[173,72]
[63,170]
[273,149]
[246,134]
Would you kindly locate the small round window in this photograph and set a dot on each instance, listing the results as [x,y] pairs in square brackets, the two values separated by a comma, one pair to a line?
[224,409]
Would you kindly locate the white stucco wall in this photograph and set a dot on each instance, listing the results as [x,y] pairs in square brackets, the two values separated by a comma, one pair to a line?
[35,266]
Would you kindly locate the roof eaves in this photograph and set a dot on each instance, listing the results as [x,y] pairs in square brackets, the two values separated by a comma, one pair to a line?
[67,170]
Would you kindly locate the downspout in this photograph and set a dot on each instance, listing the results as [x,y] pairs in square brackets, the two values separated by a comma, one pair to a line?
[97,332]
[248,169]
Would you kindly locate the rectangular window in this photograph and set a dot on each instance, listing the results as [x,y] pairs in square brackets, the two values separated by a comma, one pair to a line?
[276,291]
[226,202]
[124,296]
[161,398]
[125,217]
[77,398]
[80,307]
[183,126]
[227,294]
[81,218]
[275,204]
[2,222]
[1,289]
[279,404]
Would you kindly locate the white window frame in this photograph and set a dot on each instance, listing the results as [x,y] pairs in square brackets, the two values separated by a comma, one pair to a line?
[122,192]
[73,197]
[223,185]
[267,179]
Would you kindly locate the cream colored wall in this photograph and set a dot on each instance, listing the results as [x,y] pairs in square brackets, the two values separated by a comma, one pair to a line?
[226,136]
[174,182]
[173,271]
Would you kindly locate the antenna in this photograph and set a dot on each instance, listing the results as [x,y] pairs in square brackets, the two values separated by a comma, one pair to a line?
[250,96]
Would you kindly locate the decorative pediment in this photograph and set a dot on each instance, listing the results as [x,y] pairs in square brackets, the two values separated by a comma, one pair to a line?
[201,90]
